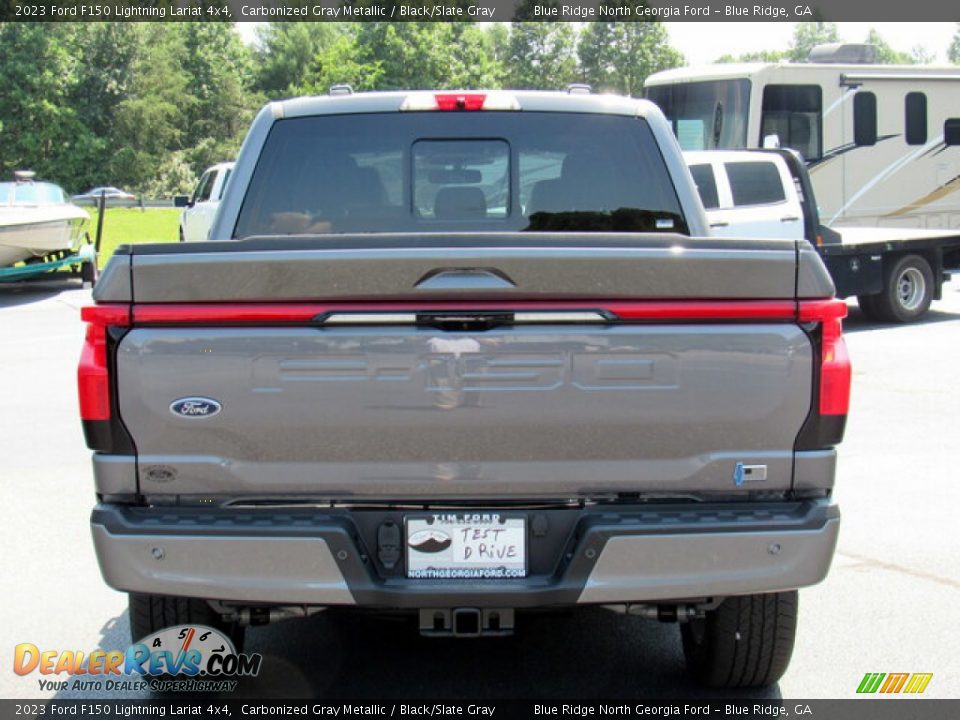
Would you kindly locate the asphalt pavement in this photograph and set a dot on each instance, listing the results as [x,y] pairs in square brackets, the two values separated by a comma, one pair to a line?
[888,604]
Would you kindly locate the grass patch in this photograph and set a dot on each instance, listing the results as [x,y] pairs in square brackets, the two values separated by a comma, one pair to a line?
[125,226]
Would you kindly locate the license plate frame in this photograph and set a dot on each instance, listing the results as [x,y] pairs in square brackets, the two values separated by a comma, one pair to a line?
[429,559]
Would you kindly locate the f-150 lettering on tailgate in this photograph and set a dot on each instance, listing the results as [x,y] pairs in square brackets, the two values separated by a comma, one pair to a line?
[622,370]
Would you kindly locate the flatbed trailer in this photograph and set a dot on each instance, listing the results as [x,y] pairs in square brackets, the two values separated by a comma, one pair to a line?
[894,273]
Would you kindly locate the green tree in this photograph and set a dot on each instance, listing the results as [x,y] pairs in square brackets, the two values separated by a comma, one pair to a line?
[421,55]
[767,56]
[807,35]
[619,56]
[286,53]
[341,62]
[42,130]
[541,55]
[953,52]
[922,55]
[218,70]
[886,55]
[149,120]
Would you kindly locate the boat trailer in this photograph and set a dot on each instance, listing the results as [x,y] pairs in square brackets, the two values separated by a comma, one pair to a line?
[80,263]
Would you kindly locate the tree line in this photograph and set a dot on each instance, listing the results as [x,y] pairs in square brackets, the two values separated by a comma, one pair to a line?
[147,106]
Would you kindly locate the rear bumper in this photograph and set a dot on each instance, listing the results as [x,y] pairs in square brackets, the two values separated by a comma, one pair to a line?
[611,554]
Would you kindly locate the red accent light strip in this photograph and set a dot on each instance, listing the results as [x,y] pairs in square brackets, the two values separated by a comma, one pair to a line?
[246,313]
[706,310]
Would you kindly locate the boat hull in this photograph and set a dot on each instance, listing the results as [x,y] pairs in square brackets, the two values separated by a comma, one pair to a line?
[24,238]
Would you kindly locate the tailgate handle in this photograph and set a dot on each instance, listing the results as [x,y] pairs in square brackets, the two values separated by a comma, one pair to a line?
[465,279]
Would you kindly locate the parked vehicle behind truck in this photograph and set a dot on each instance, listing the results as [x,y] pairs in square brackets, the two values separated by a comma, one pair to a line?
[200,208]
[882,148]
[894,275]
[463,355]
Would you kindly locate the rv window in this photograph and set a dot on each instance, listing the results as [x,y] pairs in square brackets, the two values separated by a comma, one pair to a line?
[706,115]
[706,185]
[864,118]
[951,131]
[755,183]
[792,113]
[915,118]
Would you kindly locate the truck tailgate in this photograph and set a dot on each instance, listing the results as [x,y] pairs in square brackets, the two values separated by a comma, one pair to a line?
[419,394]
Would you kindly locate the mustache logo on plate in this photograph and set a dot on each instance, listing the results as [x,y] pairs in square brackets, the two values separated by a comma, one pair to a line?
[429,541]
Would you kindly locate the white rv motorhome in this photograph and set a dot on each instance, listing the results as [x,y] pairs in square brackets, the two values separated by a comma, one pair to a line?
[882,142]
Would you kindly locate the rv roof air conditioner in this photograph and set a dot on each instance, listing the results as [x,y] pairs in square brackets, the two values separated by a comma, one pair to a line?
[845,53]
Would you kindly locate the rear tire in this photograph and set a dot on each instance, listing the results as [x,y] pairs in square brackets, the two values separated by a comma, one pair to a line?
[152,613]
[907,290]
[745,642]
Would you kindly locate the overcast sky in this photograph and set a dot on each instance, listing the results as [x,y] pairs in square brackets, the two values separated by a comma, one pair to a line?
[704,42]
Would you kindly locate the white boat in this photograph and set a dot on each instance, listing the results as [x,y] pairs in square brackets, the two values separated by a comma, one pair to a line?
[36,220]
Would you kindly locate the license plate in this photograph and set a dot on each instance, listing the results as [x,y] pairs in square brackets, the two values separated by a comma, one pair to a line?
[466,545]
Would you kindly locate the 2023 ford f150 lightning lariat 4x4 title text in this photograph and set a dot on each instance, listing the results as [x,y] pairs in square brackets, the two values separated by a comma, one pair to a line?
[468,354]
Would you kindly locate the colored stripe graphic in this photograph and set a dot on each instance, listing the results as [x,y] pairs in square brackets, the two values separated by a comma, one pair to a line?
[893,683]
[870,682]
[918,683]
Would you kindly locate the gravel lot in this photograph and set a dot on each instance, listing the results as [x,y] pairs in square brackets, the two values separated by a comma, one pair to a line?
[887,605]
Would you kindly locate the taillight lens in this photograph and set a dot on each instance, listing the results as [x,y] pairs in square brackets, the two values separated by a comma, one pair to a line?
[93,375]
[835,370]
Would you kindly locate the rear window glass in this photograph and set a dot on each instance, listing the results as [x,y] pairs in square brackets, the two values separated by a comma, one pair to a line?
[706,185]
[461,179]
[755,183]
[456,171]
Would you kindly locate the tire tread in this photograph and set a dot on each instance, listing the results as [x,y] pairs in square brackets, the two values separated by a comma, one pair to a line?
[747,641]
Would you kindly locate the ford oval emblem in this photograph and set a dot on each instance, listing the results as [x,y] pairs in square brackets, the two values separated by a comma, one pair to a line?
[195,407]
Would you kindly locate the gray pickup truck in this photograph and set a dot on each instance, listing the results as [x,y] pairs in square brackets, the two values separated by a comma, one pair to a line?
[464,355]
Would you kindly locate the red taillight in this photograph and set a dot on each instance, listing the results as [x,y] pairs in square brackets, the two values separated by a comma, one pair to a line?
[835,370]
[460,101]
[93,377]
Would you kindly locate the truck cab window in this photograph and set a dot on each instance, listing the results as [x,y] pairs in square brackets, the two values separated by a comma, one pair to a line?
[706,185]
[793,113]
[454,172]
[204,187]
[461,179]
[864,118]
[223,185]
[755,183]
